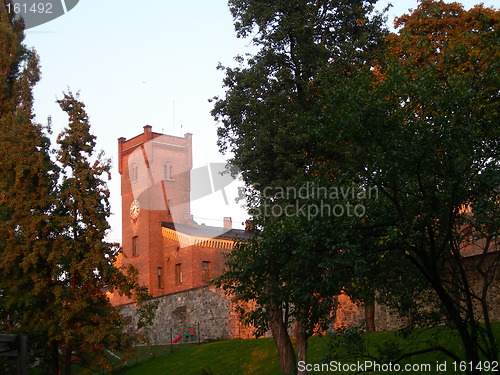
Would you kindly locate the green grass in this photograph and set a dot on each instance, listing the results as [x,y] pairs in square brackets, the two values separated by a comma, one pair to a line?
[142,353]
[258,356]
[238,357]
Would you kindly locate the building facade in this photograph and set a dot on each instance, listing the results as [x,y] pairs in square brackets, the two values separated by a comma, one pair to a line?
[159,236]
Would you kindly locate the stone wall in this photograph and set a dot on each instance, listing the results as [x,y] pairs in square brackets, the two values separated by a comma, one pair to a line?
[491,263]
[386,319]
[205,308]
[350,314]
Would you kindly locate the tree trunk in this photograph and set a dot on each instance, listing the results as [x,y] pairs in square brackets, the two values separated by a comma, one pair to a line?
[67,361]
[302,337]
[464,327]
[282,340]
[370,316]
[54,359]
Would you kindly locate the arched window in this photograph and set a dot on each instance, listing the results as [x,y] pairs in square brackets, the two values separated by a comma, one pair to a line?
[135,246]
[160,278]
[133,173]
[168,171]
[178,273]
[206,271]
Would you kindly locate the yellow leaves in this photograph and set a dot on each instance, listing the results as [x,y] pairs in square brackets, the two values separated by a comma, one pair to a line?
[383,240]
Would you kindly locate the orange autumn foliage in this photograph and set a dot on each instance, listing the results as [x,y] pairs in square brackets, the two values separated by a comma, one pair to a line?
[447,38]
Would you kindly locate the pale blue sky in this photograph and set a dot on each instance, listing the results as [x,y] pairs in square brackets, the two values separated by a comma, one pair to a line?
[131,60]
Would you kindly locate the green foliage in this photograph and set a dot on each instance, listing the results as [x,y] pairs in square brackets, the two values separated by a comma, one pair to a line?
[346,342]
[54,261]
[27,181]
[413,115]
[262,124]
[87,323]
[301,44]
[265,100]
[146,308]
[352,344]
[389,352]
[207,371]
[268,263]
[416,128]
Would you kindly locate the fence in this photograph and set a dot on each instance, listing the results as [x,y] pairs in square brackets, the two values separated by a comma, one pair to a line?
[13,354]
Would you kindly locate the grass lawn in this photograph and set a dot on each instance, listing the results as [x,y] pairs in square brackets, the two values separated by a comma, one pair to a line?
[258,356]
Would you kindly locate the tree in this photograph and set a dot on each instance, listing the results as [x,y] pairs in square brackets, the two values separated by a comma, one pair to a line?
[266,271]
[27,181]
[54,261]
[422,128]
[87,324]
[262,125]
[264,102]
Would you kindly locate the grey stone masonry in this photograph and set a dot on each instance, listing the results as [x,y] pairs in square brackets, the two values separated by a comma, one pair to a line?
[205,308]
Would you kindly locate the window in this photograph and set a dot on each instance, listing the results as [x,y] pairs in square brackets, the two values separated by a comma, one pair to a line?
[178,273]
[168,171]
[135,246]
[160,278]
[133,173]
[206,271]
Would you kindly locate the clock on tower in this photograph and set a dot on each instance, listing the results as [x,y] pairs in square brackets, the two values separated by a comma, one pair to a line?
[135,209]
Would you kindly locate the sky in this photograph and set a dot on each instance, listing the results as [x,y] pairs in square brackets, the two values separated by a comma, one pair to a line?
[149,62]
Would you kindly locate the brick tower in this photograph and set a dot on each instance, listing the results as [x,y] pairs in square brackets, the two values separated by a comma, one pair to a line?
[155,188]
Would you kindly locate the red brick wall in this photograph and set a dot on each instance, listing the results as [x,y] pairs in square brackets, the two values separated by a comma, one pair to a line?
[149,152]
[191,259]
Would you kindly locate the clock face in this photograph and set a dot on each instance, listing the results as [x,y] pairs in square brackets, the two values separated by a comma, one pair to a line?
[135,209]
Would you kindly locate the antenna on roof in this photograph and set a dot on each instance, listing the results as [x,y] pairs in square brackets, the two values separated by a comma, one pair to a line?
[173,114]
